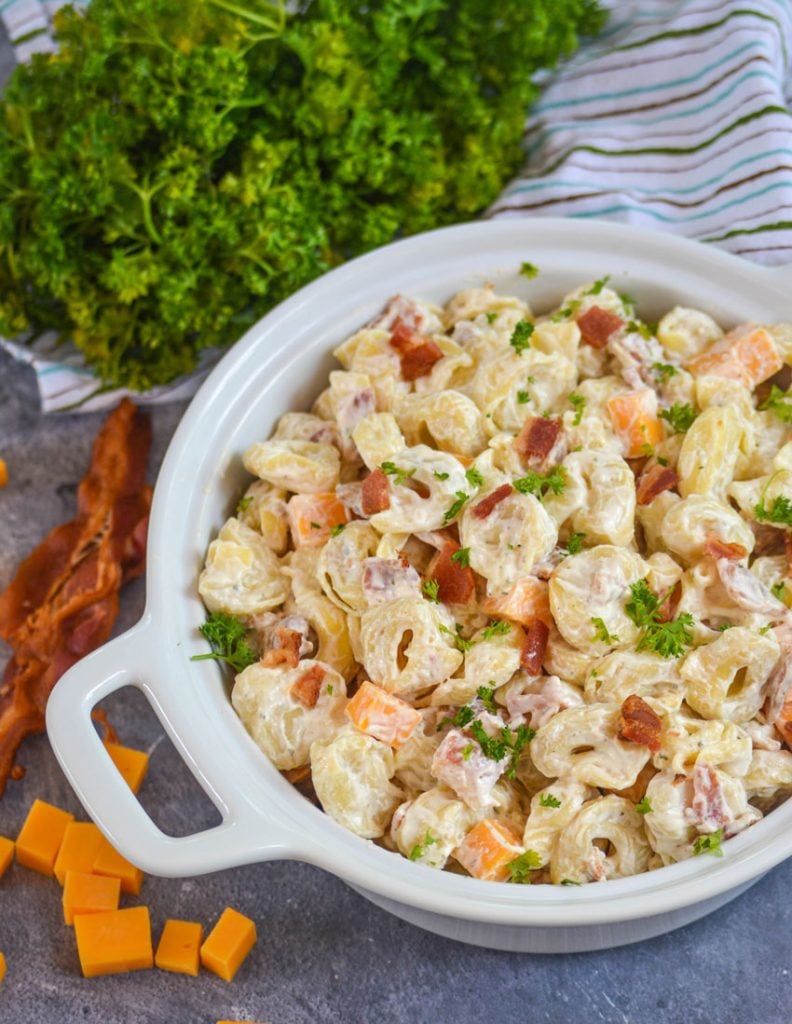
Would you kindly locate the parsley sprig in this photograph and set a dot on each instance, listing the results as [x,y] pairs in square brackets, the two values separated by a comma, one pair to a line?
[780,512]
[400,476]
[244,504]
[462,557]
[496,628]
[539,484]
[521,867]
[667,639]
[601,631]
[420,848]
[643,806]
[780,403]
[709,844]
[664,371]
[431,589]
[456,506]
[679,416]
[579,402]
[521,336]
[548,800]
[226,636]
[462,643]
[529,270]
[575,543]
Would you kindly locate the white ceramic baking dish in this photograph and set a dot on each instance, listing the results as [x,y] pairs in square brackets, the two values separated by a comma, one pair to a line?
[281,364]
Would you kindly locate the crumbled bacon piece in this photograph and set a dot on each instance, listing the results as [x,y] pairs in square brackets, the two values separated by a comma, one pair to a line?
[534,647]
[403,336]
[418,353]
[536,440]
[279,656]
[708,804]
[400,308]
[64,598]
[456,584]
[787,546]
[716,548]
[669,603]
[597,325]
[654,481]
[306,689]
[639,724]
[375,496]
[486,505]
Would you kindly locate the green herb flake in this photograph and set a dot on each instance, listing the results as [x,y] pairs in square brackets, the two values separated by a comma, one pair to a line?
[579,402]
[548,800]
[539,485]
[315,526]
[661,461]
[463,717]
[462,557]
[485,694]
[575,543]
[643,806]
[780,403]
[431,588]
[520,339]
[400,476]
[521,867]
[461,643]
[601,631]
[778,590]
[664,371]
[780,512]
[680,416]
[568,881]
[666,639]
[709,844]
[420,848]
[529,270]
[440,476]
[244,504]
[491,317]
[597,287]
[523,397]
[227,638]
[474,477]
[337,529]
[467,750]
[456,506]
[496,628]
[330,689]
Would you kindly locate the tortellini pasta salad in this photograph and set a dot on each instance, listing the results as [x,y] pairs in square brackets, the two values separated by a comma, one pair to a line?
[513,599]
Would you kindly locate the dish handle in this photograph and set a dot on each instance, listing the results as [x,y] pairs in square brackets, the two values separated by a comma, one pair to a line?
[242,837]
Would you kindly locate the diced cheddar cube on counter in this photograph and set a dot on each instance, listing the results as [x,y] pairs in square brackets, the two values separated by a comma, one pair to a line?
[81,843]
[108,861]
[3,473]
[114,942]
[40,839]
[6,854]
[179,947]
[2,968]
[228,943]
[132,764]
[88,894]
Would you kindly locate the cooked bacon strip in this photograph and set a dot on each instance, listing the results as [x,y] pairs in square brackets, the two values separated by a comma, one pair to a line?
[419,360]
[639,724]
[669,604]
[597,325]
[279,656]
[402,336]
[536,440]
[654,481]
[306,689]
[375,495]
[486,505]
[534,647]
[716,548]
[456,584]
[64,598]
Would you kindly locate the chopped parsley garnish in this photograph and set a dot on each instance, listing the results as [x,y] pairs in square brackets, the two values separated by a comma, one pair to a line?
[485,694]
[520,867]
[661,461]
[578,401]
[520,339]
[315,525]
[440,476]
[539,485]
[627,299]
[467,751]
[647,450]
[780,403]
[778,590]
[567,311]
[462,557]
[463,717]
[636,327]
[474,477]
[496,628]
[666,639]
[643,806]
[548,800]
[529,270]
[664,371]
[523,397]
[575,543]
[510,743]
[226,636]
[779,512]
[244,504]
[597,287]
[709,844]
[420,848]
[462,644]
[491,317]
[338,528]
[765,629]
[456,506]
[330,689]
[679,416]
[400,476]
[724,626]
[568,881]
[601,631]
[431,588]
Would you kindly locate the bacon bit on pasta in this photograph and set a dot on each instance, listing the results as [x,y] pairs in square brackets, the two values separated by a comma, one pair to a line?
[597,325]
[418,353]
[639,724]
[64,598]
[486,505]
[637,791]
[456,584]
[534,647]
[667,609]
[279,656]
[375,496]
[536,440]
[708,803]
[654,481]
[716,548]
[403,336]
[306,689]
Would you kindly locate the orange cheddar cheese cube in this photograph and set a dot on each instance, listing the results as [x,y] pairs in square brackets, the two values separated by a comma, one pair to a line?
[382,715]
[179,948]
[88,894]
[81,842]
[313,516]
[527,600]
[114,941]
[3,473]
[488,849]
[6,854]
[108,861]
[2,968]
[747,354]
[228,943]
[635,421]
[132,764]
[39,841]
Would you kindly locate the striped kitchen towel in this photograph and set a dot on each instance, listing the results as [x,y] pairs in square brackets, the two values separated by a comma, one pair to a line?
[676,118]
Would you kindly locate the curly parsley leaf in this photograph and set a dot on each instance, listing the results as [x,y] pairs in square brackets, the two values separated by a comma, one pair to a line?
[227,638]
[529,270]
[780,403]
[664,371]
[440,476]
[667,639]
[400,476]
[496,628]
[579,402]
[521,867]
[523,398]
[456,507]
[575,543]
[244,504]
[461,642]
[643,806]
[474,477]
[485,694]
[462,557]
[521,335]
[601,631]
[778,590]
[680,416]
[337,529]
[463,717]
[567,312]
[597,287]
[420,848]
[568,881]
[780,512]
[636,327]
[709,844]
[491,317]
[539,484]
[548,800]
[431,589]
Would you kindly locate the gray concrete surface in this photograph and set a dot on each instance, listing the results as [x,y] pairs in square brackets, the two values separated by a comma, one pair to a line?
[325,955]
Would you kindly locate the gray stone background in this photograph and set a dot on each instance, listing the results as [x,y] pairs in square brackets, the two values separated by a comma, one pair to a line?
[324,954]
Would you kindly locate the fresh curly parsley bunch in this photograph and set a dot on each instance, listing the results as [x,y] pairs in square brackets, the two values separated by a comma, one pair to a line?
[178,168]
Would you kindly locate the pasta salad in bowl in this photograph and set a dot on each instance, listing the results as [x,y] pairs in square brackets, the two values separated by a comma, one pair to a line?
[511,599]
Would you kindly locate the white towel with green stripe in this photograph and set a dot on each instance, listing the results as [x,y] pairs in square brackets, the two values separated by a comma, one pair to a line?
[675,118]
